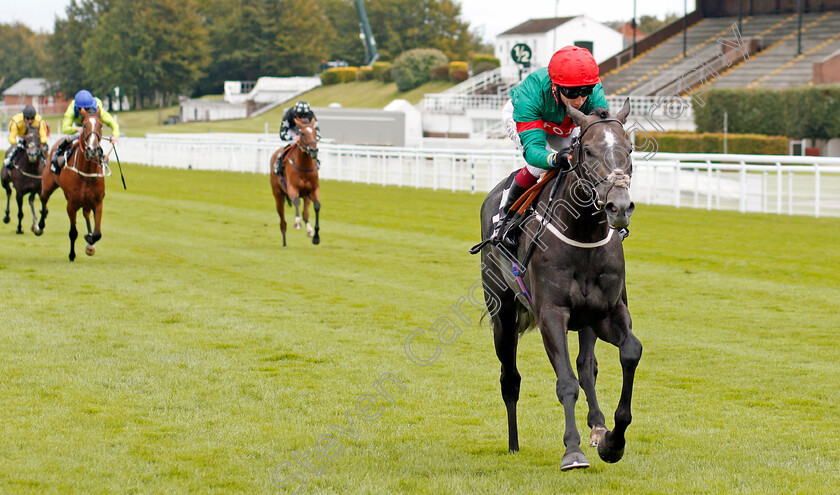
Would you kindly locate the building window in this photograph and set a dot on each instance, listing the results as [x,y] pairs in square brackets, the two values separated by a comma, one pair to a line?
[585,44]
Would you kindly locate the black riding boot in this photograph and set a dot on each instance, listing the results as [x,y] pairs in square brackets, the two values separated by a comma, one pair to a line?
[500,232]
[10,155]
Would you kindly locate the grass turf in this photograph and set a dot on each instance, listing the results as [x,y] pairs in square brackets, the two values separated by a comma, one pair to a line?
[193,354]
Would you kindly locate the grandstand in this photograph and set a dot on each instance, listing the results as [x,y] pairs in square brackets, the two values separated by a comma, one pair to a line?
[770,44]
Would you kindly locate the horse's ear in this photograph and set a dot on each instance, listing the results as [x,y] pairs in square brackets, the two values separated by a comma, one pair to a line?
[579,118]
[624,112]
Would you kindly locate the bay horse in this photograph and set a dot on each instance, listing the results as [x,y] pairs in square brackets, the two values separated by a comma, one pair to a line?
[575,282]
[299,180]
[83,181]
[25,174]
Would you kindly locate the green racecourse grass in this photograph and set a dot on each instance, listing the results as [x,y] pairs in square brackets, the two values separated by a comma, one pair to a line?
[192,354]
[366,94]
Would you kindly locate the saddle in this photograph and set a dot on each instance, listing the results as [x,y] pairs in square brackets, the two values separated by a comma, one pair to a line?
[62,155]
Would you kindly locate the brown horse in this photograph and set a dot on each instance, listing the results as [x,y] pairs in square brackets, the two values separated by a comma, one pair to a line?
[83,181]
[299,179]
[25,174]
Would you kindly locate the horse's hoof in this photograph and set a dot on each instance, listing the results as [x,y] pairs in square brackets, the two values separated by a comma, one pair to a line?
[608,454]
[574,460]
[6,219]
[72,256]
[316,239]
[597,435]
[36,230]
[90,250]
[19,232]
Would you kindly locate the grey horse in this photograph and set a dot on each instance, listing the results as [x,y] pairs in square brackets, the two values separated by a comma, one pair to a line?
[575,281]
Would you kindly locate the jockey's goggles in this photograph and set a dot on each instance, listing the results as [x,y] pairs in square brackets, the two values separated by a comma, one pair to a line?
[29,119]
[577,91]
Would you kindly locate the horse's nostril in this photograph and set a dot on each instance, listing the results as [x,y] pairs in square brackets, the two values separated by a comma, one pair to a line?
[612,208]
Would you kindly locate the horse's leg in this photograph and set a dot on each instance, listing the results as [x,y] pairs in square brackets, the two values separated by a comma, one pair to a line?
[19,198]
[48,185]
[617,330]
[309,230]
[553,325]
[316,239]
[294,194]
[35,229]
[505,338]
[71,214]
[279,199]
[8,188]
[587,368]
[296,202]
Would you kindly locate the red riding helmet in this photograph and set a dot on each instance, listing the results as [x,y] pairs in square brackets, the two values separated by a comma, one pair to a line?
[573,66]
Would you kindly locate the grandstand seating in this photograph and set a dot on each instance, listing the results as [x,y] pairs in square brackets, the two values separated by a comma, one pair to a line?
[775,65]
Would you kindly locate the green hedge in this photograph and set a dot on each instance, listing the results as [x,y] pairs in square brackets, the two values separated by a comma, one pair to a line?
[338,75]
[483,58]
[688,142]
[801,112]
[382,71]
[365,74]
[414,67]
[458,71]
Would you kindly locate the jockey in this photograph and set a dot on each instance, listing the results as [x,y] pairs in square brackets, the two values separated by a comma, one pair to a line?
[17,131]
[72,122]
[289,130]
[535,119]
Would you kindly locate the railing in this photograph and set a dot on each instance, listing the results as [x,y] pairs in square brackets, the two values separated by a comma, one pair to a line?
[487,78]
[475,82]
[649,106]
[658,107]
[459,104]
[747,183]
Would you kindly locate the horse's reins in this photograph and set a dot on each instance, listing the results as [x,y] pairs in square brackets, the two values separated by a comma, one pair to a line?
[106,169]
[27,174]
[308,152]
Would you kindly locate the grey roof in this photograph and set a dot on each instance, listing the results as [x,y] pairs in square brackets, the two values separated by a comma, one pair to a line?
[30,86]
[533,26]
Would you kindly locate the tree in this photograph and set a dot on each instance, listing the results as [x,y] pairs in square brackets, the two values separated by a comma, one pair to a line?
[346,45]
[66,45]
[300,38]
[24,54]
[238,35]
[175,45]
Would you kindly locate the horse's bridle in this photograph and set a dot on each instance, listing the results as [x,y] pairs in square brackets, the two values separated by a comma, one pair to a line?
[313,153]
[96,155]
[617,177]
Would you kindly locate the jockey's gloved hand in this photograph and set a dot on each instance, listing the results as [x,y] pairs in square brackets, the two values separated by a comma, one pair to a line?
[561,159]
[20,141]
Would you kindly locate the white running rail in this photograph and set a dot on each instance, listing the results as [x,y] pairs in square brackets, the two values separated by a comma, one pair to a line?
[747,183]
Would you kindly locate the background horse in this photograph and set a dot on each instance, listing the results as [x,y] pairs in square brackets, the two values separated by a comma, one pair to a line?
[26,175]
[83,181]
[299,180]
[575,281]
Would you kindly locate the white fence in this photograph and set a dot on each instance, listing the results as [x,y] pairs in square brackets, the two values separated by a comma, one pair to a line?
[747,183]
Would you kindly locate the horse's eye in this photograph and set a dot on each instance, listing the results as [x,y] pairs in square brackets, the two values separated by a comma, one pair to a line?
[587,152]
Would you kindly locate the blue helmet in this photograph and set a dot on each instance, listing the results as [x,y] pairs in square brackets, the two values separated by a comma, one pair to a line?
[84,99]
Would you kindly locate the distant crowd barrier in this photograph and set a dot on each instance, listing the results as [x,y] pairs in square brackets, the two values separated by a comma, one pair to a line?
[747,183]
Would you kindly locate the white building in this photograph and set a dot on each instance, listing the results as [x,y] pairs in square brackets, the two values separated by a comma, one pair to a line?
[546,36]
